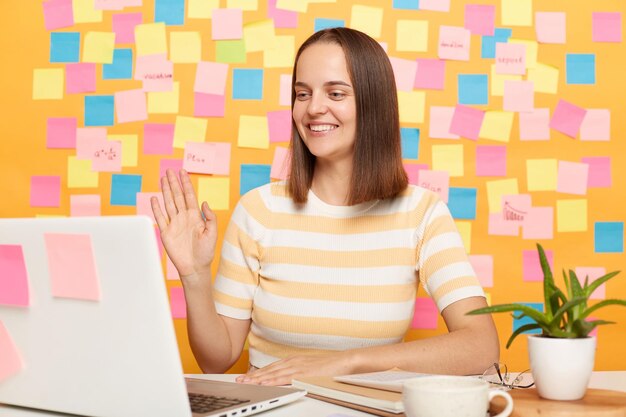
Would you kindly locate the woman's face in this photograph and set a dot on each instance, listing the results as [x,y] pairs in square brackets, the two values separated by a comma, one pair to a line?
[324,110]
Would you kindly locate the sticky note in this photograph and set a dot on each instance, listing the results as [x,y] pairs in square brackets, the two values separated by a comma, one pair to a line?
[535,125]
[483,267]
[259,36]
[510,58]
[106,156]
[80,78]
[61,133]
[72,266]
[208,105]
[425,315]
[532,50]
[517,13]
[285,18]
[571,215]
[45,191]
[160,102]
[247,84]
[590,274]
[572,177]
[279,125]
[488,43]
[215,191]
[150,39]
[85,12]
[607,26]
[496,189]
[253,176]
[498,80]
[599,171]
[453,43]
[122,66]
[281,163]
[130,106]
[367,20]
[480,19]
[86,138]
[490,161]
[11,361]
[410,139]
[519,96]
[462,203]
[580,68]
[404,72]
[79,173]
[596,125]
[497,125]
[448,158]
[85,205]
[440,121]
[550,27]
[411,106]
[99,110]
[201,9]
[123,25]
[498,226]
[156,73]
[473,89]
[58,14]
[609,237]
[282,55]
[538,223]
[124,189]
[465,230]
[207,158]
[230,51]
[467,121]
[516,207]
[14,289]
[189,129]
[435,5]
[567,118]
[531,266]
[129,145]
[412,35]
[412,172]
[144,205]
[227,24]
[158,138]
[98,47]
[321,24]
[406,4]
[178,305]
[284,94]
[185,47]
[48,83]
[64,46]
[170,12]
[545,78]
[253,132]
[541,174]
[430,74]
[522,321]
[435,181]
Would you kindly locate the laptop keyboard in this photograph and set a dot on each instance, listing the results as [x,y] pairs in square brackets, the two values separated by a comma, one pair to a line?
[202,403]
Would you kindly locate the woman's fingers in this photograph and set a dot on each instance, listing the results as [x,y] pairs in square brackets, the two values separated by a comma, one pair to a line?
[189,194]
[209,216]
[158,214]
[168,199]
[177,194]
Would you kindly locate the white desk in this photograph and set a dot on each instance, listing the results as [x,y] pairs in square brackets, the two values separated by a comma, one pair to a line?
[308,407]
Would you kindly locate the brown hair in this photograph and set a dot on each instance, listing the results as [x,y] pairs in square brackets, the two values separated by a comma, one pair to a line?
[377,168]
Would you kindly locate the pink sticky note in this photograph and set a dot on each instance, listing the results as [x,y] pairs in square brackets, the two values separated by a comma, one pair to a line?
[404,71]
[207,158]
[531,266]
[80,78]
[279,123]
[515,208]
[87,138]
[124,26]
[412,171]
[592,273]
[61,133]
[550,27]
[208,105]
[58,14]
[178,303]
[158,138]
[13,277]
[440,122]
[467,121]
[435,5]
[211,78]
[480,19]
[11,362]
[85,205]
[436,181]
[430,74]
[107,156]
[535,125]
[599,171]
[483,266]
[426,314]
[282,18]
[454,43]
[171,273]
[567,118]
[131,106]
[572,177]
[144,206]
[227,24]
[538,223]
[519,96]
[109,4]
[607,26]
[285,90]
[500,227]
[280,163]
[45,191]
[72,266]
[156,72]
[173,164]
[490,161]
[596,125]
[510,58]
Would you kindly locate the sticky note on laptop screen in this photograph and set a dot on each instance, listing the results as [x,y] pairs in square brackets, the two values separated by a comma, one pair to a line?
[13,276]
[11,362]
[72,266]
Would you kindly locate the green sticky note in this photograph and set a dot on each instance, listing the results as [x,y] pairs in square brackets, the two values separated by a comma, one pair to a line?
[230,51]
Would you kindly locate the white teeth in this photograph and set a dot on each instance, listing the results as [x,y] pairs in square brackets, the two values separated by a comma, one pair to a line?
[322,128]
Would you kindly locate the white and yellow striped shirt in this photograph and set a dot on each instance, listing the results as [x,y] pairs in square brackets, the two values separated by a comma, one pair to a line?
[317,277]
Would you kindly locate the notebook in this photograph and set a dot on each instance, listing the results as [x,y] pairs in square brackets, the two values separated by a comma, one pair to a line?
[86,328]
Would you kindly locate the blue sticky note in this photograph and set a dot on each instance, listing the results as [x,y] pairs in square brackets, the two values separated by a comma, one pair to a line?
[99,110]
[64,46]
[580,68]
[170,12]
[410,142]
[322,23]
[488,43]
[124,189]
[517,323]
[247,84]
[473,89]
[406,4]
[253,176]
[122,66]
[609,237]
[462,203]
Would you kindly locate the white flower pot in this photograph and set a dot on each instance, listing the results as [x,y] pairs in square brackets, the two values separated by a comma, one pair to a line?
[561,368]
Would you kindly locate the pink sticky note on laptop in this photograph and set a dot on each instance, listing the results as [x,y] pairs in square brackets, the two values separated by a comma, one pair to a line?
[13,277]
[567,118]
[11,362]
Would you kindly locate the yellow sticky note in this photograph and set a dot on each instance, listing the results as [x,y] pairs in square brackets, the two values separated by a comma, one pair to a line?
[412,35]
[129,148]
[98,47]
[253,132]
[571,215]
[201,9]
[497,125]
[411,106]
[150,39]
[283,53]
[517,13]
[367,19]
[160,102]
[189,129]
[545,78]
[448,158]
[497,81]
[497,189]
[542,174]
[259,36]
[215,191]
[465,230]
[48,83]
[85,12]
[532,48]
[79,173]
[185,47]
[299,6]
[243,4]
[488,297]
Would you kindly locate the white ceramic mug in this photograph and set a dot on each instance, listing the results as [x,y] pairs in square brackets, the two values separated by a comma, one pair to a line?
[450,396]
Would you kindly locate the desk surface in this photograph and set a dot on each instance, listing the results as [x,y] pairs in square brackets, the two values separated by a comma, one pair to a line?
[612,380]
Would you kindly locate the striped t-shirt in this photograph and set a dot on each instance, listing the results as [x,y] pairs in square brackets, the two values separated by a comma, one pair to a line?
[316,277]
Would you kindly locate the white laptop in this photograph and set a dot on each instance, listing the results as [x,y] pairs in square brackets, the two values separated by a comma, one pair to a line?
[109,354]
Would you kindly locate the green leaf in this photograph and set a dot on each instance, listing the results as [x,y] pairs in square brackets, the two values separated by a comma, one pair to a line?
[521,330]
[577,291]
[535,315]
[601,304]
[568,287]
[548,280]
[595,284]
[565,308]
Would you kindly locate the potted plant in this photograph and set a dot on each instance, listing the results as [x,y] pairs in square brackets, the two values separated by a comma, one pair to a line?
[562,356]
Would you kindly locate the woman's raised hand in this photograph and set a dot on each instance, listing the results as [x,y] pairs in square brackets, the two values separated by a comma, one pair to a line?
[188,238]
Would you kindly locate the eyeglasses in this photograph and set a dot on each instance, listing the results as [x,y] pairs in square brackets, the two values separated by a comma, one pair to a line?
[498,374]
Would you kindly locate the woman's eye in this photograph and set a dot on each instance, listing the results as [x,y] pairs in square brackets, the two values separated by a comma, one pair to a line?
[337,95]
[302,95]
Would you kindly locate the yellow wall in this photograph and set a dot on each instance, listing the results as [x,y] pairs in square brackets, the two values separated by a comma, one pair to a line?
[23,153]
